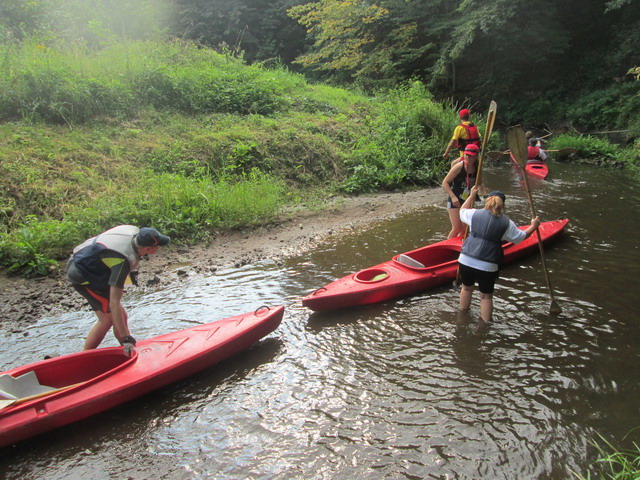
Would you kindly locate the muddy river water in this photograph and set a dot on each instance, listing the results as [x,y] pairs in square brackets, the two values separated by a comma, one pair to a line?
[408,389]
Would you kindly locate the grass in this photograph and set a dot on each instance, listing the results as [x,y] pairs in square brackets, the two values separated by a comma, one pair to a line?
[599,150]
[186,140]
[614,463]
[171,135]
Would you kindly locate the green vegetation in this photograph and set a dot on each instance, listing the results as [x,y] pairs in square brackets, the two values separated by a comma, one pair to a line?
[104,120]
[186,140]
[591,148]
[614,463]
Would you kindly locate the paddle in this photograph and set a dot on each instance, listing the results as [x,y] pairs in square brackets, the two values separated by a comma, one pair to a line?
[562,151]
[491,119]
[518,146]
[4,403]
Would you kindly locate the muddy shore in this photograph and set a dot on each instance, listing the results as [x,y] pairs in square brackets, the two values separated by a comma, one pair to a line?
[27,300]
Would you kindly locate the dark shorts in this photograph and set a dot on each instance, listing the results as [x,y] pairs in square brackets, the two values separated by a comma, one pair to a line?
[98,298]
[450,203]
[485,280]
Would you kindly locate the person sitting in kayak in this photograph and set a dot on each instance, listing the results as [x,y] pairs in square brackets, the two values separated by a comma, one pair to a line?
[482,251]
[466,133]
[530,135]
[457,184]
[535,154]
[98,269]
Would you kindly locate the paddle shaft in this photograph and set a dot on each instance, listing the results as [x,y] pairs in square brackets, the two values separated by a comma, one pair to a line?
[515,137]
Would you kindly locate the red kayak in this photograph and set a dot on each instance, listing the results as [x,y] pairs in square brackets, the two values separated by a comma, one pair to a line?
[413,272]
[72,387]
[534,169]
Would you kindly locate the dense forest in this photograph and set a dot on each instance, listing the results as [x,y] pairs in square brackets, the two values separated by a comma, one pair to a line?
[544,62]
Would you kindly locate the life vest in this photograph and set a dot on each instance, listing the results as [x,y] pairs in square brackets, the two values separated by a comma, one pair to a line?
[485,238]
[532,153]
[86,256]
[473,136]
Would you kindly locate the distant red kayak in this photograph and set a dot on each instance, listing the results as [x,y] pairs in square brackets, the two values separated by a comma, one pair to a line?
[85,383]
[534,169]
[413,272]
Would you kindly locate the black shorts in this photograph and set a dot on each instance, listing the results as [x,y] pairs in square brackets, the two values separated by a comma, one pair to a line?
[98,298]
[450,203]
[486,280]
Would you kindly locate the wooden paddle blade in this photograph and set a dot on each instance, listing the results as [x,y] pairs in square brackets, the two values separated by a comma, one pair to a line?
[491,118]
[555,308]
[567,151]
[517,142]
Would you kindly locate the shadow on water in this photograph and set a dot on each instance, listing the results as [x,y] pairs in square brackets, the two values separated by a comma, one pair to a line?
[403,389]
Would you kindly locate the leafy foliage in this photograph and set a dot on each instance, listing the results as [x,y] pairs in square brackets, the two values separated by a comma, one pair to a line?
[404,143]
[588,147]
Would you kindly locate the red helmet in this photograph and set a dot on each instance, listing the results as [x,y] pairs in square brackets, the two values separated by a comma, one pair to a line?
[465,112]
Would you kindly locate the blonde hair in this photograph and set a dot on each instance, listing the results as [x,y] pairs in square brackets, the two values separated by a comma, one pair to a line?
[495,205]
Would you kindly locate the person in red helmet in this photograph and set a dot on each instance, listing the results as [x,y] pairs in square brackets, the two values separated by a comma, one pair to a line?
[466,133]
[457,184]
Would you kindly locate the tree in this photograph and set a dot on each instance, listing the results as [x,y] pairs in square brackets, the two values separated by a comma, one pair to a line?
[19,20]
[256,29]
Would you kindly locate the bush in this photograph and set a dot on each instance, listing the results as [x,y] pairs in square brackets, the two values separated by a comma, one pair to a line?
[615,107]
[407,135]
[588,147]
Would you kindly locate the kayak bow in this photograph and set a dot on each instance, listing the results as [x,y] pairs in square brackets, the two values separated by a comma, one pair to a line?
[534,169]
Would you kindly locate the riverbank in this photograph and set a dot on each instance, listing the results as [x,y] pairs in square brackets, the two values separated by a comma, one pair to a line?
[25,301]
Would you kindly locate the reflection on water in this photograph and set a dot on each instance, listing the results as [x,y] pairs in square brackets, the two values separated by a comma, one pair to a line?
[405,389]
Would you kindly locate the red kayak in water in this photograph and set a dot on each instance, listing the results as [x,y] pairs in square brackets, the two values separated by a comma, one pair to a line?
[45,395]
[534,169]
[414,271]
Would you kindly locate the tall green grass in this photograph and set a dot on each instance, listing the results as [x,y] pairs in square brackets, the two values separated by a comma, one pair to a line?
[614,463]
[76,83]
[187,140]
[187,209]
[587,146]
[600,150]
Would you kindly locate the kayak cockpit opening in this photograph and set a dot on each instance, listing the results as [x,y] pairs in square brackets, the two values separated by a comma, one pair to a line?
[429,257]
[59,372]
[371,275]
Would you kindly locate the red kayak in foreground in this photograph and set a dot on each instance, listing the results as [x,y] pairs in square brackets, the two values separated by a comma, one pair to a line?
[72,387]
[534,169]
[413,272]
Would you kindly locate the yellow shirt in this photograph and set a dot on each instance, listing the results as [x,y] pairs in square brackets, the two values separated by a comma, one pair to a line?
[460,132]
